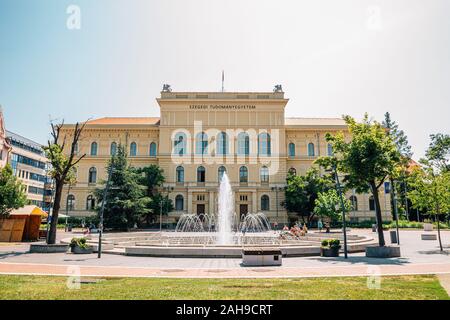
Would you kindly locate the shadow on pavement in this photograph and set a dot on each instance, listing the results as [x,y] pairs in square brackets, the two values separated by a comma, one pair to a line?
[364,260]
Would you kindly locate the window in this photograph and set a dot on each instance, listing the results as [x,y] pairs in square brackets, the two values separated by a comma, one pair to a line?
[291,150]
[329,149]
[371,204]
[243,144]
[201,174]
[243,175]
[90,203]
[222,143]
[264,174]
[75,149]
[152,149]
[311,149]
[354,201]
[180,174]
[264,144]
[113,149]
[93,148]
[221,172]
[92,175]
[243,197]
[179,144]
[70,202]
[133,149]
[201,143]
[201,197]
[293,171]
[265,203]
[179,202]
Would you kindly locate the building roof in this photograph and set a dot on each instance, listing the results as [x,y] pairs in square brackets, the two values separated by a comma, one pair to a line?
[28,211]
[22,140]
[291,121]
[315,122]
[124,121]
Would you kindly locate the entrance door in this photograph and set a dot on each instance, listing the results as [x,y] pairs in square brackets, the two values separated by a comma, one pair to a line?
[243,210]
[200,208]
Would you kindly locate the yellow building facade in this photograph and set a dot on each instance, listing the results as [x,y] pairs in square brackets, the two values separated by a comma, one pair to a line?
[201,135]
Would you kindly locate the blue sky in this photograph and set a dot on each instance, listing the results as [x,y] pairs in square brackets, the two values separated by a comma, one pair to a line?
[332,58]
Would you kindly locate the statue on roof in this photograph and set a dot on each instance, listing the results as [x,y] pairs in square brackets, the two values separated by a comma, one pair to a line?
[166,88]
[278,88]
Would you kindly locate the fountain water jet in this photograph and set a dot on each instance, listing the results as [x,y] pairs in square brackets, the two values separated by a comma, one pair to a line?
[226,212]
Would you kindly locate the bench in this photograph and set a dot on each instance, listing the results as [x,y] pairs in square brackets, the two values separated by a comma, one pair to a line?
[261,257]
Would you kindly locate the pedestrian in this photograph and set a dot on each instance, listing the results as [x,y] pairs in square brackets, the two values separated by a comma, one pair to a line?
[320,225]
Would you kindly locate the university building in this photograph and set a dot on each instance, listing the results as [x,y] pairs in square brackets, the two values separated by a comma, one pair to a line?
[200,136]
[29,164]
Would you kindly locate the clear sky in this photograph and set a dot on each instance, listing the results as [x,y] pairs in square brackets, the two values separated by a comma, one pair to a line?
[332,58]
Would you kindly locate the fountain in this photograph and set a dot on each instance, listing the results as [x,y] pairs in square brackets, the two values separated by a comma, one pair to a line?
[226,212]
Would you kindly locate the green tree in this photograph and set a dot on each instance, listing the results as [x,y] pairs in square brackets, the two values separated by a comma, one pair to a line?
[302,191]
[62,166]
[12,191]
[438,153]
[366,161]
[152,179]
[126,201]
[431,192]
[328,205]
[398,176]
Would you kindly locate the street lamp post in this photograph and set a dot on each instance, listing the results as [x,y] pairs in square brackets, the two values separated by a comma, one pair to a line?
[67,206]
[394,200]
[100,227]
[168,189]
[338,185]
[276,189]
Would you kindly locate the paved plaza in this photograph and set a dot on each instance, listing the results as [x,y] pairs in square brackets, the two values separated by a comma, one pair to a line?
[418,257]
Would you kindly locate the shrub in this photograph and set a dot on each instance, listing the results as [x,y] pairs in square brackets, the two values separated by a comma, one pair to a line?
[331,243]
[79,242]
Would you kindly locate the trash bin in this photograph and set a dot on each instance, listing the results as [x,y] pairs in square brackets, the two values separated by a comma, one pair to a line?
[393,236]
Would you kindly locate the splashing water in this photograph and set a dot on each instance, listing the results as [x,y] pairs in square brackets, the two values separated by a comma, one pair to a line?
[226,212]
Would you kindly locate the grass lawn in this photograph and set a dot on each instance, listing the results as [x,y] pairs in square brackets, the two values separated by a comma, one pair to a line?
[395,288]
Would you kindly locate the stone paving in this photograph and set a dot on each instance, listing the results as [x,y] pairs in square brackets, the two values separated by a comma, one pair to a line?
[418,257]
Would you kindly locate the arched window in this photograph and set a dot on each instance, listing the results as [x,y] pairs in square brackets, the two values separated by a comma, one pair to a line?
[92,175]
[71,202]
[354,201]
[311,149]
[179,144]
[293,171]
[93,148]
[201,174]
[90,203]
[222,143]
[264,174]
[329,149]
[201,143]
[243,174]
[180,174]
[113,149]
[243,144]
[265,204]
[291,150]
[152,149]
[133,149]
[371,203]
[264,144]
[179,202]
[221,172]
